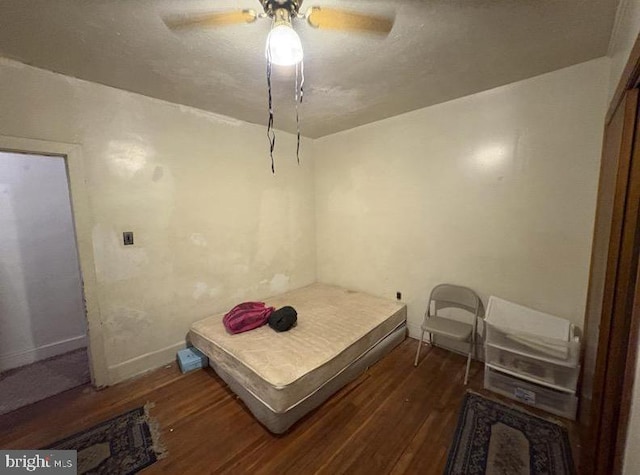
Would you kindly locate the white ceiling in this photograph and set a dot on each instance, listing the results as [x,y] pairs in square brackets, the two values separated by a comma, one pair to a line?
[438,50]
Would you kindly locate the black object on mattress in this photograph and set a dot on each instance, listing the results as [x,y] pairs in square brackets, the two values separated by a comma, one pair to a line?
[283,319]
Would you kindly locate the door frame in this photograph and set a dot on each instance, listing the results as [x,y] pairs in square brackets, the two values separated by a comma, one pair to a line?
[83,224]
[606,435]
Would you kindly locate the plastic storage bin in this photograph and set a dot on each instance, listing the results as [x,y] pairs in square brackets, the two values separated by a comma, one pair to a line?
[532,357]
[558,376]
[552,350]
[556,402]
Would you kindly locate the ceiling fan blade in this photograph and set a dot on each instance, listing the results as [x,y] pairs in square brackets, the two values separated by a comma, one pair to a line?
[335,19]
[204,20]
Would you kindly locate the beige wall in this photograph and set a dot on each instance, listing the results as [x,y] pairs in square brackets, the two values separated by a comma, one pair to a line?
[495,191]
[212,225]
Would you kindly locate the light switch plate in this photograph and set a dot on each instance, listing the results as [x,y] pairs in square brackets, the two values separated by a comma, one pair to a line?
[127,238]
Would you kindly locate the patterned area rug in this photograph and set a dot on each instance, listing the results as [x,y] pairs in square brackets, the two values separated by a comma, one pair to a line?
[123,445]
[496,439]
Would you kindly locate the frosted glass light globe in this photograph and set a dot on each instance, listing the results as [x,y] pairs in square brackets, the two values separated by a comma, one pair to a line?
[284,45]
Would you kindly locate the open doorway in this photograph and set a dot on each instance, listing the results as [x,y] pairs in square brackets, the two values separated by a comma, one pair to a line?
[43,328]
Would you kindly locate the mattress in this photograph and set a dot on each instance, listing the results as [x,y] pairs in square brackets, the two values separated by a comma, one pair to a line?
[280,422]
[335,328]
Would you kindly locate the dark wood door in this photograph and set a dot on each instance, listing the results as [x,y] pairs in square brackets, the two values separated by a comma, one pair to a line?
[610,331]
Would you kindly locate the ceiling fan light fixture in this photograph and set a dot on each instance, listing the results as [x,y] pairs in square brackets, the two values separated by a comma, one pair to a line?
[283,43]
[284,46]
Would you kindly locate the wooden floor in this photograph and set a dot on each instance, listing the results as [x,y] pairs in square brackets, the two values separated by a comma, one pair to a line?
[393,419]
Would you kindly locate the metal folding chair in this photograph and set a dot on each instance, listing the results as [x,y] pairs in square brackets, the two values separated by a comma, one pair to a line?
[451,296]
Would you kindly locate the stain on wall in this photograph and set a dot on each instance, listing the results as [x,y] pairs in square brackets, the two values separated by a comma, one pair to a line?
[212,225]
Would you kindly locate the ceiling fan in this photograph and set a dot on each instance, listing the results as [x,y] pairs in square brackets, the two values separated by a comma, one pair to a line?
[283,43]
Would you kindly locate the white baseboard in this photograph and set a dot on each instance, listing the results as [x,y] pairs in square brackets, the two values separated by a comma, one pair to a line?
[414,331]
[25,357]
[143,363]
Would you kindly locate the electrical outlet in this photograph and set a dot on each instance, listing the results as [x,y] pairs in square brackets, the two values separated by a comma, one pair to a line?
[398,295]
[127,238]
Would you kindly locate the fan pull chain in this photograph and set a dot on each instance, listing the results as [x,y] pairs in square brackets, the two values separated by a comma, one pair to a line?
[298,96]
[271,135]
